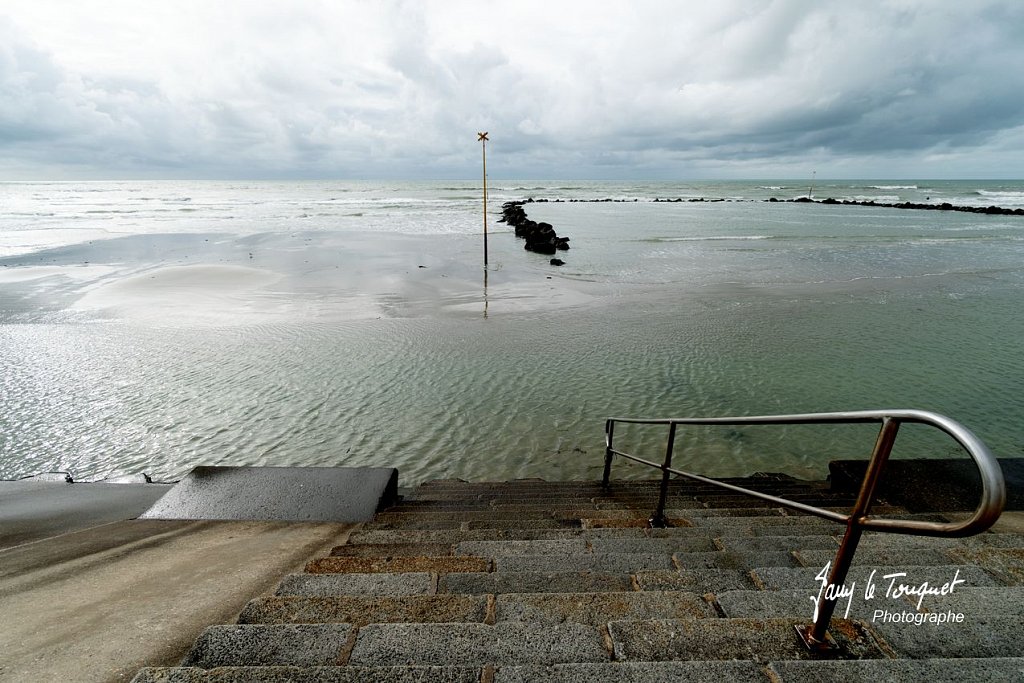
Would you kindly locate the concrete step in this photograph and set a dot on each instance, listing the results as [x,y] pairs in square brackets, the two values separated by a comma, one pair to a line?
[454,536]
[768,526]
[635,672]
[398,518]
[673,509]
[570,546]
[621,513]
[939,670]
[787,527]
[632,562]
[479,495]
[727,501]
[360,610]
[701,581]
[627,499]
[546,581]
[987,636]
[581,544]
[597,609]
[823,543]
[413,522]
[394,550]
[505,643]
[399,564]
[765,511]
[881,557]
[1007,564]
[561,507]
[511,497]
[729,528]
[705,497]
[899,541]
[781,578]
[536,582]
[427,506]
[269,645]
[793,603]
[594,609]
[723,639]
[973,601]
[672,517]
[677,544]
[640,505]
[805,671]
[976,600]
[533,482]
[735,559]
[313,674]
[316,585]
[459,536]
[609,562]
[614,484]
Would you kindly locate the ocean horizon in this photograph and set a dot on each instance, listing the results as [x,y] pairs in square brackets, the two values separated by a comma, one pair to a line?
[153,326]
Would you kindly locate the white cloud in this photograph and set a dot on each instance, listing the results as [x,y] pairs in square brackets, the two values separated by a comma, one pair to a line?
[364,88]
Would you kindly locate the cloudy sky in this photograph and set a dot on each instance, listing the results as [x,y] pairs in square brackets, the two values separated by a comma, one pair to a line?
[639,89]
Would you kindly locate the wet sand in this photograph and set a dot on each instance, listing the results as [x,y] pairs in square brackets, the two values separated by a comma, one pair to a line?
[218,280]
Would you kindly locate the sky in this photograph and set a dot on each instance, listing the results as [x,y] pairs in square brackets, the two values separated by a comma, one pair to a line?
[641,89]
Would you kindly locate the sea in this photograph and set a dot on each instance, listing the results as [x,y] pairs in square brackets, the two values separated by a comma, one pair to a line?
[147,327]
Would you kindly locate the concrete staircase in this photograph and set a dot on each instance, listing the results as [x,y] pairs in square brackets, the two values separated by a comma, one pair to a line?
[562,581]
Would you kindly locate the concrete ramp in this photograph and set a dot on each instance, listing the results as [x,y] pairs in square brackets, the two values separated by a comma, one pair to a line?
[298,494]
[50,505]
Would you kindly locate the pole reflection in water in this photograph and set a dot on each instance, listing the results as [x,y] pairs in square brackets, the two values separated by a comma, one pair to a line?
[485,292]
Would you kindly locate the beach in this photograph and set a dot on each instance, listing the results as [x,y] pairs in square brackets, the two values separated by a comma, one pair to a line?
[152,327]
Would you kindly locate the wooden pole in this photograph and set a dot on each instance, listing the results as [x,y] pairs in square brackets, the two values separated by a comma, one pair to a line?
[482,137]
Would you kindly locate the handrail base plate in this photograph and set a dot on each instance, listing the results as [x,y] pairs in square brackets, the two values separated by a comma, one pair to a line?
[657,522]
[826,647]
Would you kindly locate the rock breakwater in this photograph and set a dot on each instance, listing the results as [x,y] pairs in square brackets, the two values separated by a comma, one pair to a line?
[540,237]
[944,206]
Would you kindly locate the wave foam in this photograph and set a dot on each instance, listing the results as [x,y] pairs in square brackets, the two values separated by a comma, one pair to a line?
[1003,197]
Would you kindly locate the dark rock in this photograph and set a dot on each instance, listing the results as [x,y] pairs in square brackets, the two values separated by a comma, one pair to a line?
[557,262]
[540,247]
[944,206]
[540,237]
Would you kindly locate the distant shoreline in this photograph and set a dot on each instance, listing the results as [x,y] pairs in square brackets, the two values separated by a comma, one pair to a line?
[944,206]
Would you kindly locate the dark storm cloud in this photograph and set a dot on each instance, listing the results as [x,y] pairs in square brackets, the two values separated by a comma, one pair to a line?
[400,89]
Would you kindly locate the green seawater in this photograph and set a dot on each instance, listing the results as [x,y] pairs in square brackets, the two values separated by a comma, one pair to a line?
[360,357]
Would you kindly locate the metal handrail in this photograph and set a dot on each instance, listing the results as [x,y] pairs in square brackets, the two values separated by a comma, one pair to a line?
[815,637]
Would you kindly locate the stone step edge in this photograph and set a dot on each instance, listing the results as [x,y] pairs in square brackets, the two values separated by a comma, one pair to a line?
[564,643]
[935,670]
[617,561]
[482,608]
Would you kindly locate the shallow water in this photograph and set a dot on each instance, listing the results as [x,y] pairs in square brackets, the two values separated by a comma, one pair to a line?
[153,350]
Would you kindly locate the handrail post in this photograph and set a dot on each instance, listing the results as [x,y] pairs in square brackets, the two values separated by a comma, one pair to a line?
[658,520]
[609,431]
[815,637]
